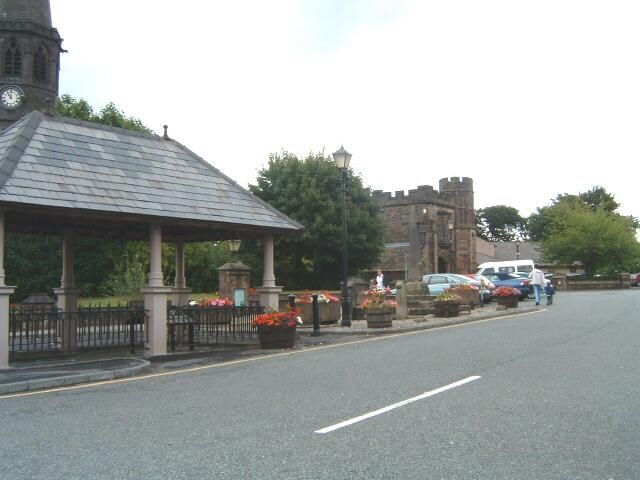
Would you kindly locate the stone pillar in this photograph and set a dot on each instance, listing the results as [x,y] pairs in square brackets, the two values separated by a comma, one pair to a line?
[155,297]
[180,292]
[413,266]
[357,287]
[559,282]
[67,294]
[235,276]
[5,292]
[268,291]
[624,280]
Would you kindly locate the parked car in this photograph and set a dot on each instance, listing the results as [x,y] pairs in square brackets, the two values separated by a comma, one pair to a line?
[488,284]
[512,280]
[634,278]
[439,282]
[509,266]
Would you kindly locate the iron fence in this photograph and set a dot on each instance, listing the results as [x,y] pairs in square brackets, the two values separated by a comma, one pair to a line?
[205,325]
[46,329]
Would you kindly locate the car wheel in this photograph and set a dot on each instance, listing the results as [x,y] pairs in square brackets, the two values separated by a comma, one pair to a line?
[531,296]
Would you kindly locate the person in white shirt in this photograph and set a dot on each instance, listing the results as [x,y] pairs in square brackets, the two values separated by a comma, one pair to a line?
[380,279]
[538,281]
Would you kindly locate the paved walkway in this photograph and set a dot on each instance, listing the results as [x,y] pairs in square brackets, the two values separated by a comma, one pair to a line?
[108,365]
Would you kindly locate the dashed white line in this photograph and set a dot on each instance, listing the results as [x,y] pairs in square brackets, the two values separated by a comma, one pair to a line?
[431,393]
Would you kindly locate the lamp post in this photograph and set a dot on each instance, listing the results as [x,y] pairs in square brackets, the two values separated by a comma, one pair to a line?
[451,255]
[342,159]
[234,246]
[517,249]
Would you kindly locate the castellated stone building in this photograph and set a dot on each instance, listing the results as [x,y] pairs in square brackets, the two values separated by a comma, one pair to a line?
[428,231]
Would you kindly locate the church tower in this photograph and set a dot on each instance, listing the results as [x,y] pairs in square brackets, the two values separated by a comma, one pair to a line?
[29,59]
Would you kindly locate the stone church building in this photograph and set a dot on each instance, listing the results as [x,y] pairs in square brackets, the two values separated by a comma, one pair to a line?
[428,230]
[29,59]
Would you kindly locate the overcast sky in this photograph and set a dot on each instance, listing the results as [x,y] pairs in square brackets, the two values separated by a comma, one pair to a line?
[530,99]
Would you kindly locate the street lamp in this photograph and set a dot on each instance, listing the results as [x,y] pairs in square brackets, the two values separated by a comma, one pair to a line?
[234,246]
[451,257]
[517,249]
[342,159]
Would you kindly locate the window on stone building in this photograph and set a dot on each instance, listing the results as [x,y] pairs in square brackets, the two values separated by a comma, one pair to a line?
[12,60]
[40,65]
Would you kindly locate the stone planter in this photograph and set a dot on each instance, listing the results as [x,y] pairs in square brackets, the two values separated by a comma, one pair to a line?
[379,317]
[508,302]
[329,312]
[469,297]
[276,337]
[446,309]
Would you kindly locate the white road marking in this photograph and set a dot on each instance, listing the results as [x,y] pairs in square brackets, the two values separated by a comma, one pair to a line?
[396,405]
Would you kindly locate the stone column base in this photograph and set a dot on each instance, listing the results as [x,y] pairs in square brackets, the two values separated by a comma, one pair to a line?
[155,303]
[269,297]
[4,326]
[68,302]
[180,296]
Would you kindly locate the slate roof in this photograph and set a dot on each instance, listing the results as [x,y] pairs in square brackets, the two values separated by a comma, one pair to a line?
[71,164]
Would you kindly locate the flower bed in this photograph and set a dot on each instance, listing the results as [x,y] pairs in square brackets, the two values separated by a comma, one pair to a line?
[469,294]
[378,307]
[447,304]
[328,307]
[277,329]
[507,296]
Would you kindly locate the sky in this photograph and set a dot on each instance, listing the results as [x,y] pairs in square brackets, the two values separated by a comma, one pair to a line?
[529,99]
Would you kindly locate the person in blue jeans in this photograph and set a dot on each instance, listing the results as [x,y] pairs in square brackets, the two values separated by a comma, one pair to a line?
[537,281]
[550,291]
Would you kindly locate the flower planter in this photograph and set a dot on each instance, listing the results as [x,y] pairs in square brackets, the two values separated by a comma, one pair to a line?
[379,318]
[508,302]
[328,312]
[469,297]
[276,337]
[446,309]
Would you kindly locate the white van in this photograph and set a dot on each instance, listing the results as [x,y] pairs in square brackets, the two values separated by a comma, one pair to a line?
[509,266]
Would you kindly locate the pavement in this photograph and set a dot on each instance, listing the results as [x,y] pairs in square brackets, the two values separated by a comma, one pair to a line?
[24,376]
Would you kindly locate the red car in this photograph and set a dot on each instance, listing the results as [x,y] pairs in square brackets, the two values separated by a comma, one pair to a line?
[634,278]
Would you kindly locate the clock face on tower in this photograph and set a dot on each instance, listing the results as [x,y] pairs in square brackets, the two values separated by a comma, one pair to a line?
[11,97]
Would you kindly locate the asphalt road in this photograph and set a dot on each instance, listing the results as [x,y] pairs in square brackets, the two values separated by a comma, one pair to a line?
[549,395]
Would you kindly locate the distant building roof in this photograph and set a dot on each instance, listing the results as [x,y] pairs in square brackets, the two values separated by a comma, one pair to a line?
[500,251]
[76,166]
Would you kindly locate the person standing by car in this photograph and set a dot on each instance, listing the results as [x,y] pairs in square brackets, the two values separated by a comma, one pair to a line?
[538,281]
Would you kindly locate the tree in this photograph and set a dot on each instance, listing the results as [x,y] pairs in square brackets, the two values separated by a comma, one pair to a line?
[308,191]
[500,223]
[598,239]
[67,106]
[539,224]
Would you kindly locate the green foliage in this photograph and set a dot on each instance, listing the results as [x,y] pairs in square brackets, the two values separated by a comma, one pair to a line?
[599,239]
[67,106]
[33,263]
[597,199]
[308,191]
[202,261]
[500,223]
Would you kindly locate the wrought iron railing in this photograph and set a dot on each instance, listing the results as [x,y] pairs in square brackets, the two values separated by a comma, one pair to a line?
[202,325]
[46,329]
